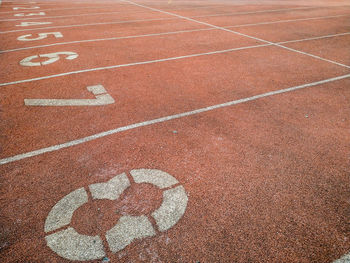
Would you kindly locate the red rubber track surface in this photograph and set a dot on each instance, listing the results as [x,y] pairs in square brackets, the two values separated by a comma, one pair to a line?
[267,180]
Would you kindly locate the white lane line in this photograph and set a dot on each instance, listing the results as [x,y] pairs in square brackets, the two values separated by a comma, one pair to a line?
[56,9]
[130,64]
[105,13]
[90,24]
[159,60]
[240,34]
[176,32]
[126,21]
[315,38]
[102,7]
[162,119]
[65,16]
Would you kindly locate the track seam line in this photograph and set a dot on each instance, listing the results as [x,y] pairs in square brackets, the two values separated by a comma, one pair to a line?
[175,32]
[238,33]
[161,120]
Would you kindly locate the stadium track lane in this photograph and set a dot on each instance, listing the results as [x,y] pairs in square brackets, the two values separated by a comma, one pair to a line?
[307,175]
[141,29]
[231,18]
[277,195]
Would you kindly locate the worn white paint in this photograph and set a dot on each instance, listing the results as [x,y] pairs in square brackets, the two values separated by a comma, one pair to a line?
[152,176]
[127,230]
[71,245]
[32,24]
[61,214]
[343,259]
[172,209]
[102,98]
[110,190]
[30,14]
[52,58]
[25,8]
[162,119]
[41,36]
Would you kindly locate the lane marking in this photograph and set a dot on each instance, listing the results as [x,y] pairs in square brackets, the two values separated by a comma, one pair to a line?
[83,25]
[238,33]
[102,98]
[36,18]
[167,33]
[210,15]
[59,9]
[128,228]
[106,23]
[161,120]
[146,62]
[113,6]
[32,24]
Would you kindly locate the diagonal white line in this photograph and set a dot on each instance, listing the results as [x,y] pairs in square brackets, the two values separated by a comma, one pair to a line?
[238,33]
[176,32]
[162,119]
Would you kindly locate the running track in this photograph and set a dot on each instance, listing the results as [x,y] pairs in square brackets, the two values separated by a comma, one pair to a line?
[175,131]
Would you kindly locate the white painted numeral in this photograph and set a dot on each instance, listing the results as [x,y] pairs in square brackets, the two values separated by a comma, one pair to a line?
[52,57]
[33,23]
[41,36]
[31,14]
[29,8]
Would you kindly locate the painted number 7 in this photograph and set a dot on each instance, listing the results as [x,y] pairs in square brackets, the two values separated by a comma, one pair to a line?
[41,36]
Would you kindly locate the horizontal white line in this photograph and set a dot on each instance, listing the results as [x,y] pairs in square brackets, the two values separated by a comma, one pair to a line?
[58,9]
[130,64]
[64,16]
[106,13]
[160,120]
[163,60]
[131,21]
[54,9]
[90,24]
[172,32]
[102,7]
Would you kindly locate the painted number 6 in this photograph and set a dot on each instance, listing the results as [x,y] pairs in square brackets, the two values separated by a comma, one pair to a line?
[41,36]
[52,57]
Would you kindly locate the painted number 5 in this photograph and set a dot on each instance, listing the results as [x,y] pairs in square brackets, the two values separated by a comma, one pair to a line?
[52,57]
[41,36]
